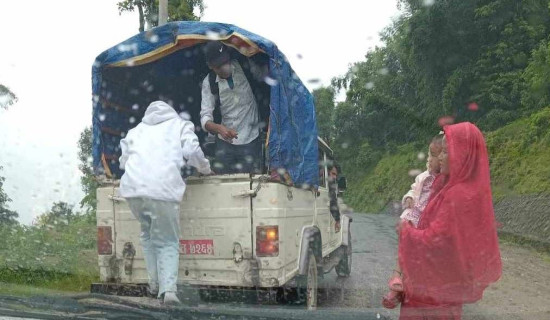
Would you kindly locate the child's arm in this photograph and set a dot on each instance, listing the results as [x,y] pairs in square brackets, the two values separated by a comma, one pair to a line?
[410,193]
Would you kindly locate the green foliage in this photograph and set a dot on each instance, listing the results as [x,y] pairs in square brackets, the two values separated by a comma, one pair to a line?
[519,155]
[536,76]
[88,181]
[7,97]
[7,216]
[436,60]
[60,214]
[324,108]
[387,182]
[178,10]
[63,258]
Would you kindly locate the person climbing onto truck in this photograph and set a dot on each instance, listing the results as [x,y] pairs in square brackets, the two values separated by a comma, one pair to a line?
[153,154]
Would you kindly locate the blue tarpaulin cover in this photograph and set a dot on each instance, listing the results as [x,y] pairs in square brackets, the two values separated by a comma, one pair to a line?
[126,72]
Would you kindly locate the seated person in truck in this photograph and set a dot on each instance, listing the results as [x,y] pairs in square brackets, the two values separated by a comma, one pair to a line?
[153,154]
[333,171]
[227,90]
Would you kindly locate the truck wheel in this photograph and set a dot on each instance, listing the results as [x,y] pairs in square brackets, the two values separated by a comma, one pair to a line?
[308,284]
[343,268]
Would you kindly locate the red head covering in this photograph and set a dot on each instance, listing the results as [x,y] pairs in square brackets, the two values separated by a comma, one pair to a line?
[453,255]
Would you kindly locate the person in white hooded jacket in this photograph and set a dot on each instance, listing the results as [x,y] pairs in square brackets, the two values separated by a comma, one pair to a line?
[153,154]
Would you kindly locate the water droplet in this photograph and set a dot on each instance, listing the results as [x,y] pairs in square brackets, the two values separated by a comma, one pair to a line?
[428,3]
[132,120]
[421,156]
[345,145]
[130,63]
[270,81]
[185,116]
[281,171]
[101,117]
[314,81]
[446,120]
[212,35]
[135,106]
[383,71]
[299,56]
[369,85]
[472,106]
[414,172]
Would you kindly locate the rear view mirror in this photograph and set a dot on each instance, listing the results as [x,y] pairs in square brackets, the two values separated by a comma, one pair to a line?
[342,183]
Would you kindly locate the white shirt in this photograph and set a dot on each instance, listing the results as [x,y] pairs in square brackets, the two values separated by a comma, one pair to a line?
[238,107]
[154,152]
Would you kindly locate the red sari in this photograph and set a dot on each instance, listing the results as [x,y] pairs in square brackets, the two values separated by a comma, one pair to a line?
[453,255]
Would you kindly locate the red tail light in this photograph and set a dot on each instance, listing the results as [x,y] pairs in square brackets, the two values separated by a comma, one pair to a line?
[267,241]
[104,240]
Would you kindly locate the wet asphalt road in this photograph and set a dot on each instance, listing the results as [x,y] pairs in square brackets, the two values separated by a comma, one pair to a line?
[374,243]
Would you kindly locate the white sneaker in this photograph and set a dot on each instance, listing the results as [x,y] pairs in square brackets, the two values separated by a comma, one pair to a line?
[170,299]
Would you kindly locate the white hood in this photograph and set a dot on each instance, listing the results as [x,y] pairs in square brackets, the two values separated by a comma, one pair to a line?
[158,112]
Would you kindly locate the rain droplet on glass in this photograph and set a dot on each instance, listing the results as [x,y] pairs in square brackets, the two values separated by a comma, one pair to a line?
[369,85]
[270,81]
[212,35]
[446,120]
[472,106]
[428,3]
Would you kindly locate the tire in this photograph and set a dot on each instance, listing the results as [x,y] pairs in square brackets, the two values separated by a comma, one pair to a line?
[308,284]
[343,268]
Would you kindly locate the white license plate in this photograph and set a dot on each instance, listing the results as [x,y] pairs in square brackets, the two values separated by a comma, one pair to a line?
[197,247]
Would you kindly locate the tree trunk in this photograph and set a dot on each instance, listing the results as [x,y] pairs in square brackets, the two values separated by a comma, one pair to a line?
[141,17]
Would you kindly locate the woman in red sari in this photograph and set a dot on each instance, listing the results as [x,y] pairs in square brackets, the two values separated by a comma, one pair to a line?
[453,255]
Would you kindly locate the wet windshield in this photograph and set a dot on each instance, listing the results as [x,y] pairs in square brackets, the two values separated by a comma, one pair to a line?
[288,159]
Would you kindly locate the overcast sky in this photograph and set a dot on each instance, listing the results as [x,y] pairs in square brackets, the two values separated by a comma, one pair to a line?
[46,56]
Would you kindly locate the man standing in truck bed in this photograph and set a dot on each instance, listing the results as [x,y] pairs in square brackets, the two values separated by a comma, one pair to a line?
[227,90]
[153,154]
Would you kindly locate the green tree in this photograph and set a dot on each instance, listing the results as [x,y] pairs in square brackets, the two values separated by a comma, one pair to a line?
[60,214]
[178,10]
[7,216]
[537,79]
[7,97]
[88,182]
[324,108]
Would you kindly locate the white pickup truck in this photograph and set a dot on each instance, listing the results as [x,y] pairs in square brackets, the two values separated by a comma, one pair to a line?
[238,230]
